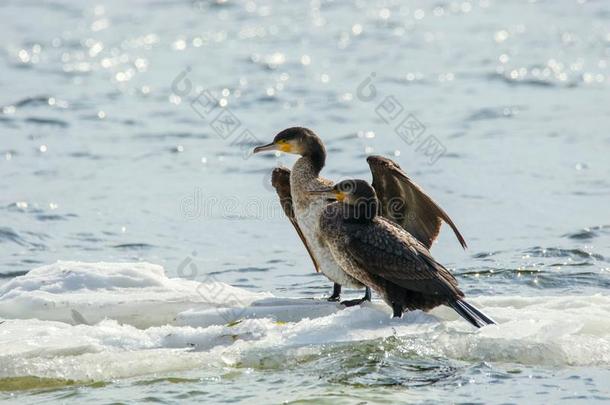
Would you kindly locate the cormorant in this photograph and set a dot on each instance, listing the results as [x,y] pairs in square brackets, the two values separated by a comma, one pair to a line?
[382,255]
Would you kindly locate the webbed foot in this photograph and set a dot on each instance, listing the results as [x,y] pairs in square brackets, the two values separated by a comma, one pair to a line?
[352,303]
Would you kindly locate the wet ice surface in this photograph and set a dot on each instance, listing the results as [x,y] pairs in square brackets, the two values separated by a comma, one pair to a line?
[102,322]
[103,159]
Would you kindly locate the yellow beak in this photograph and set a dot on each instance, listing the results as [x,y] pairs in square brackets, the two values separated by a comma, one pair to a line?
[282,146]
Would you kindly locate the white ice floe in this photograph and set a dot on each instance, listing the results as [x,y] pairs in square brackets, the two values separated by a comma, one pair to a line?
[132,320]
[139,294]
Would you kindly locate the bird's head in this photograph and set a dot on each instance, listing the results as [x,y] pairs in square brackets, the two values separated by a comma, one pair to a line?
[295,140]
[358,195]
[354,191]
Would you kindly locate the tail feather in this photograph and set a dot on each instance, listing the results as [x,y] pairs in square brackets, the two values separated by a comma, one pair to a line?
[471,314]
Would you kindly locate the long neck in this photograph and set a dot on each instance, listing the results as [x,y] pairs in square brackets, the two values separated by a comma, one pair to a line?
[316,155]
[304,169]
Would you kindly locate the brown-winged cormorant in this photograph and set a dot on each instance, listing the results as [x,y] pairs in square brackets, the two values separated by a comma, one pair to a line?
[382,255]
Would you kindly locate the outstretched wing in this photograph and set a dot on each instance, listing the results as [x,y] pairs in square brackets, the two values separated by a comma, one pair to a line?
[387,251]
[407,204]
[280,179]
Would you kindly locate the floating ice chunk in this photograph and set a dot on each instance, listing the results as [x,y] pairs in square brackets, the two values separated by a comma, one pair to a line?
[139,294]
[132,320]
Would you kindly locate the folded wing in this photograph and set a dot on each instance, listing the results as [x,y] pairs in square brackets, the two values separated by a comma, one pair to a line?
[389,252]
[280,179]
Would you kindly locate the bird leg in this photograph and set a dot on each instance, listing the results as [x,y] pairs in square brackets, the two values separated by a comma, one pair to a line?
[336,293]
[351,303]
[396,310]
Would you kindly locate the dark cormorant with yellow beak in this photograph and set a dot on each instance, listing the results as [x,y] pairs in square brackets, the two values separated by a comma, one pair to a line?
[382,255]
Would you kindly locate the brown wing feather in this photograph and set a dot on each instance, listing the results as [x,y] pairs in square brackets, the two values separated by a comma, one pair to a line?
[407,204]
[280,179]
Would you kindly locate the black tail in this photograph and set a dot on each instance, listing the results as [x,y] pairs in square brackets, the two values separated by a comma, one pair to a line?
[471,314]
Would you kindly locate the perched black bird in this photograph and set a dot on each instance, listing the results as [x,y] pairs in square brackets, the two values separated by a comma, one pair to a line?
[382,255]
